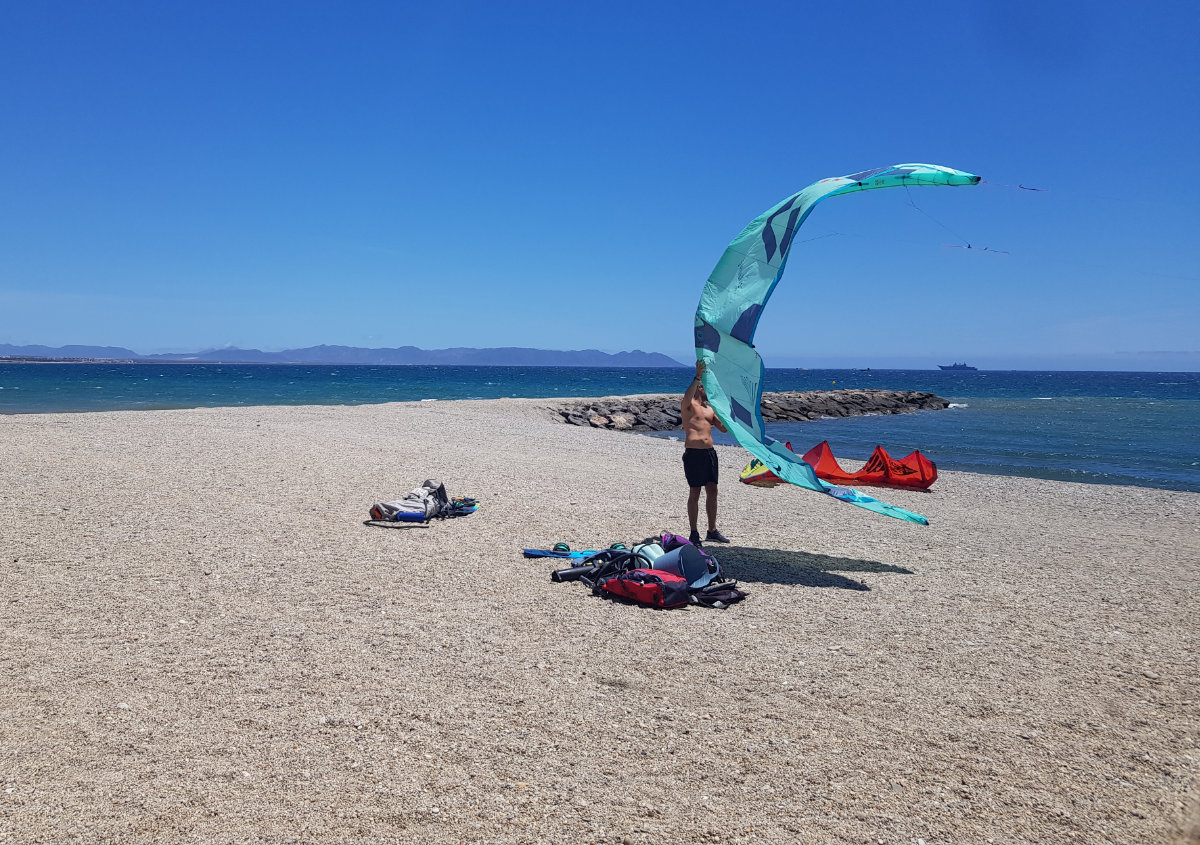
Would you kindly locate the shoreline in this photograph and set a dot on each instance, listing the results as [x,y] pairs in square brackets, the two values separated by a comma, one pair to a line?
[205,643]
[551,407]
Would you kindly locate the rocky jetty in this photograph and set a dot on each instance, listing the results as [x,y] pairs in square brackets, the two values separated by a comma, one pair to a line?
[660,412]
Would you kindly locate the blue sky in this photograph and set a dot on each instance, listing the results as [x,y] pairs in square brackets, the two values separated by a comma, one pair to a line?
[181,176]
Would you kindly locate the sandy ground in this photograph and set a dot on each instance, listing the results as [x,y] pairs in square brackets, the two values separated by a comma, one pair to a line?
[200,641]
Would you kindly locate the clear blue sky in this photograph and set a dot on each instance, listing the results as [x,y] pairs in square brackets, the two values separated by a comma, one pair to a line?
[179,176]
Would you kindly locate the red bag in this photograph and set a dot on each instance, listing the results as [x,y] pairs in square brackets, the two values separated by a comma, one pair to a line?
[650,587]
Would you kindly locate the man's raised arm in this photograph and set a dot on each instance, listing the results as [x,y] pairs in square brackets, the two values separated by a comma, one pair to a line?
[690,394]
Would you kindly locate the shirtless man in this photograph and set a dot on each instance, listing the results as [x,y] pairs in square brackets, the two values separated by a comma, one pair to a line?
[700,458]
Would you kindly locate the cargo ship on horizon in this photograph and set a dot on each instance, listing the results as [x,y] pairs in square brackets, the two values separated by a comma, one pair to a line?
[956,366]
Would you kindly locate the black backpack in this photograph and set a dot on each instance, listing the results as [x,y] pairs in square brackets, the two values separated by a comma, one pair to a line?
[718,595]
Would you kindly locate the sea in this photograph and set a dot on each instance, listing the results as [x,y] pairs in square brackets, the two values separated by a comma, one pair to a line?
[1139,429]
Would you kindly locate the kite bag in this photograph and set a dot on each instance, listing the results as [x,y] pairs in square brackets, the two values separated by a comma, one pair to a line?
[420,505]
[649,587]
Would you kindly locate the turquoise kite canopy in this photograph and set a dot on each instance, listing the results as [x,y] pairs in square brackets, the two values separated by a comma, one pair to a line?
[733,301]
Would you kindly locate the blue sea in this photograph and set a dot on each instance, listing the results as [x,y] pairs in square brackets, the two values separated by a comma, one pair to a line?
[1108,428]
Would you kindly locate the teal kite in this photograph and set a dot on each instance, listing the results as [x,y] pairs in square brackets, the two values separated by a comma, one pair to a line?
[734,298]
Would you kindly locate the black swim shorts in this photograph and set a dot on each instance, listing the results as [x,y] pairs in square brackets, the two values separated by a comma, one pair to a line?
[700,466]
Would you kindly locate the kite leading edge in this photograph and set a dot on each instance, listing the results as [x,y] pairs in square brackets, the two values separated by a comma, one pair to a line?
[734,298]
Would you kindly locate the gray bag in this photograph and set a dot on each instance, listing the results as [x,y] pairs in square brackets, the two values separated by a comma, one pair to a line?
[650,551]
[691,563]
[420,505]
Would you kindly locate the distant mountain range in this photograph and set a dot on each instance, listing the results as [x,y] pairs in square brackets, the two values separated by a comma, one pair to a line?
[506,356]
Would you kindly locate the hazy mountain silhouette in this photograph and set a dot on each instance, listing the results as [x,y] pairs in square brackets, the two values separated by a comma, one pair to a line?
[514,356]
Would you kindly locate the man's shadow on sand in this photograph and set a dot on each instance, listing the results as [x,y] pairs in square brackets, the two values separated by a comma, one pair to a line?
[773,566]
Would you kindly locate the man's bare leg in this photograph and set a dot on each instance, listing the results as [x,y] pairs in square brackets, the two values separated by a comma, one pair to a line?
[710,506]
[693,506]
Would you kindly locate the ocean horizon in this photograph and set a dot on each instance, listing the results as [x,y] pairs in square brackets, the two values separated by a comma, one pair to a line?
[1141,429]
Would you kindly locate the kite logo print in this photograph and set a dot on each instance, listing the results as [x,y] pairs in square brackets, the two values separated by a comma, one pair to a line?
[768,233]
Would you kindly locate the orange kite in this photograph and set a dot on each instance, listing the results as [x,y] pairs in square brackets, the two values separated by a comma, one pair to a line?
[914,472]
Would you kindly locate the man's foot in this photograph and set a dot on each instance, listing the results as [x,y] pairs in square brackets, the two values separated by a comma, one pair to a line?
[716,536]
[694,538]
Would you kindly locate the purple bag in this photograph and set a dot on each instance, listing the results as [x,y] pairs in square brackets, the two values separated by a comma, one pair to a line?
[670,542]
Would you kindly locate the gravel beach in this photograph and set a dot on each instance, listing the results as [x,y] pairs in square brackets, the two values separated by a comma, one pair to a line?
[201,642]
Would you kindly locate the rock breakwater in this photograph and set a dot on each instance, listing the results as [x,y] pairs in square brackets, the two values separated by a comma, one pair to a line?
[660,412]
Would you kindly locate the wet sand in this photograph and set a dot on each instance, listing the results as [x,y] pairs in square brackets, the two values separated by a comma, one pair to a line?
[200,641]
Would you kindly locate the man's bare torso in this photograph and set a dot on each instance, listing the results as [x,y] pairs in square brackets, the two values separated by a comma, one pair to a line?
[698,417]
[697,424]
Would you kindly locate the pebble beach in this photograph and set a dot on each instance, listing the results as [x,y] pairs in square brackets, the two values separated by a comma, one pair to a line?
[201,642]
